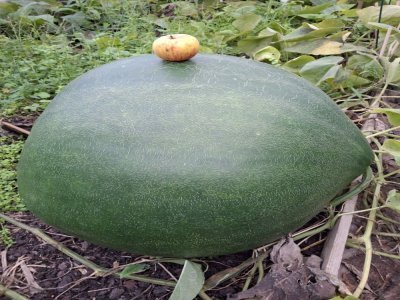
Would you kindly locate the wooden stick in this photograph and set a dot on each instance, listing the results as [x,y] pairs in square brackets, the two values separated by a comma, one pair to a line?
[334,246]
[13,127]
[332,253]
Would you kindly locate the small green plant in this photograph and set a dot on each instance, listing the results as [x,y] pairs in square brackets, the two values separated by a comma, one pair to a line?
[5,236]
[9,155]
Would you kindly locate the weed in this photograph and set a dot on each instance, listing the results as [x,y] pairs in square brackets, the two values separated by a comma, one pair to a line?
[9,155]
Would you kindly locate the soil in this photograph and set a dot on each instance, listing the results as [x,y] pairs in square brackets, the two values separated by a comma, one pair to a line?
[40,271]
[59,277]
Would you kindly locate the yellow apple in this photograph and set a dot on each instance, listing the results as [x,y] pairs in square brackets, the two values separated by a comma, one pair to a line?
[176,47]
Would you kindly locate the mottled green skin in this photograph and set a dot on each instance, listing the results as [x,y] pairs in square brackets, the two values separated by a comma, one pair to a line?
[211,156]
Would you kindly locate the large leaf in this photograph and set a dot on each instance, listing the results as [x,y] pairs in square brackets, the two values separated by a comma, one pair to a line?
[240,8]
[323,47]
[351,80]
[41,19]
[321,69]
[365,66]
[324,11]
[382,26]
[392,69]
[268,54]
[393,200]
[246,23]
[340,36]
[7,8]
[186,8]
[267,32]
[251,44]
[390,14]
[314,9]
[312,31]
[392,114]
[341,7]
[297,63]
[393,148]
[190,282]
[77,19]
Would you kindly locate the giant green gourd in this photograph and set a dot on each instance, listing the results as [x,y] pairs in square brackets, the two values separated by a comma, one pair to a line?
[210,156]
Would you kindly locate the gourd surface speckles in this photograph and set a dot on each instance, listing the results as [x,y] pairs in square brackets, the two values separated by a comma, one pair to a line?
[210,156]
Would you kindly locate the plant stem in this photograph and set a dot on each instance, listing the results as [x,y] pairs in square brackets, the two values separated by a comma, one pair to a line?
[391,173]
[367,178]
[366,238]
[99,271]
[379,97]
[226,274]
[250,277]
[356,246]
[260,271]
[11,294]
[328,225]
[382,132]
[391,234]
[381,216]
[361,211]
[204,296]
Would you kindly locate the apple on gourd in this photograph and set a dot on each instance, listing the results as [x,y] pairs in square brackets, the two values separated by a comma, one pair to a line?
[176,47]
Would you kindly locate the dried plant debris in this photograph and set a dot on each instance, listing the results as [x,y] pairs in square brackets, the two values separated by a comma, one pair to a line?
[292,276]
[383,280]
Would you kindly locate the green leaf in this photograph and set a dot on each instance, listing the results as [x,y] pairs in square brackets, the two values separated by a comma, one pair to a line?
[252,44]
[352,103]
[392,69]
[77,19]
[323,47]
[392,114]
[42,95]
[41,19]
[365,66]
[268,54]
[319,2]
[186,8]
[382,26]
[133,269]
[340,36]
[390,14]
[393,200]
[311,31]
[337,8]
[321,69]
[393,148]
[246,23]
[353,81]
[277,27]
[314,9]
[297,63]
[190,282]
[7,8]
[106,41]
[267,32]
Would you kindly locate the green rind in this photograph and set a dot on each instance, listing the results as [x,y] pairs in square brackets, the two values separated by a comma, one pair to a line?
[206,157]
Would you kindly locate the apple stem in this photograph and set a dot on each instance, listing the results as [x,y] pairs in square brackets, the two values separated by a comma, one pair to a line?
[171,36]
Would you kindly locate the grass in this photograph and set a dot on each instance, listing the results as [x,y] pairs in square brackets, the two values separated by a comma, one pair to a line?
[9,154]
